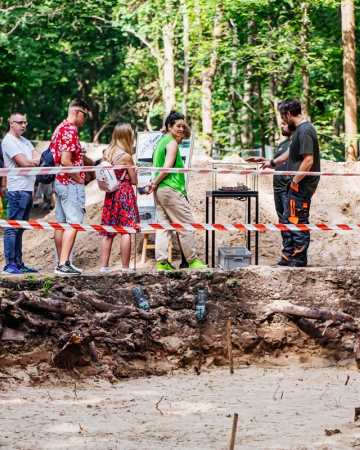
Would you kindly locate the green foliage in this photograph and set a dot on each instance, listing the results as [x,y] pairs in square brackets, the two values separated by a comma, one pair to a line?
[233,283]
[112,55]
[31,280]
[47,286]
[209,275]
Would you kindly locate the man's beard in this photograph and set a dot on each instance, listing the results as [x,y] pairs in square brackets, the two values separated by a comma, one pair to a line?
[291,125]
[286,133]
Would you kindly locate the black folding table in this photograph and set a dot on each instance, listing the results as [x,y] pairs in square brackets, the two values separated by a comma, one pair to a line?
[247,195]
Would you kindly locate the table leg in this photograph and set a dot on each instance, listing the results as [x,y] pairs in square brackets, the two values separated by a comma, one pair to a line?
[213,232]
[256,232]
[206,232]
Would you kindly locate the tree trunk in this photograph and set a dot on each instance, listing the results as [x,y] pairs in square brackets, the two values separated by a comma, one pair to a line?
[305,60]
[348,37]
[232,94]
[247,138]
[169,72]
[261,117]
[208,76]
[186,59]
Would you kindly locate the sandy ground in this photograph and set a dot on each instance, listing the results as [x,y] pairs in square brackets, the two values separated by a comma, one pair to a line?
[335,201]
[196,411]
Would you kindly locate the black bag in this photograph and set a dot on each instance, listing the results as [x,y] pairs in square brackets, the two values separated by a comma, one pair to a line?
[47,160]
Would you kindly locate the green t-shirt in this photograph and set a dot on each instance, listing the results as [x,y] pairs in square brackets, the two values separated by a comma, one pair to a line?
[174,180]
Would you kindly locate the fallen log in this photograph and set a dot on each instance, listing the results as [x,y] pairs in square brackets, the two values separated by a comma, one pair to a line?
[46,304]
[128,312]
[100,305]
[285,307]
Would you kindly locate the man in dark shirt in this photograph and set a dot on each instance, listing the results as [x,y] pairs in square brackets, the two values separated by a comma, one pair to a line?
[280,182]
[304,156]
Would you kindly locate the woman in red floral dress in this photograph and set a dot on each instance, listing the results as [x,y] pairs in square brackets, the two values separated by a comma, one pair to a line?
[120,206]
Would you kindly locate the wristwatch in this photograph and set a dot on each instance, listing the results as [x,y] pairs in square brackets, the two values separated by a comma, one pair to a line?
[272,163]
[295,183]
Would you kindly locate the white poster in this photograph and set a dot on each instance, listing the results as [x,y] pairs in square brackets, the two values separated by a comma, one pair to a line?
[146,143]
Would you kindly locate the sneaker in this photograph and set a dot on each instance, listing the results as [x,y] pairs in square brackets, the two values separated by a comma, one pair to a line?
[127,269]
[12,269]
[76,268]
[25,269]
[197,264]
[166,266]
[105,270]
[66,269]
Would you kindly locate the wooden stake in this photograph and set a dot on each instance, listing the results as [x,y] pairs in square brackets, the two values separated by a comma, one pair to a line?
[229,344]
[200,345]
[233,433]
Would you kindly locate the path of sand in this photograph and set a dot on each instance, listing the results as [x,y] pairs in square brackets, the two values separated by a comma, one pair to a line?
[196,411]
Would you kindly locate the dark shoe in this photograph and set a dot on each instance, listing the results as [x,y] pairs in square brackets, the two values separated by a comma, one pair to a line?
[66,269]
[25,269]
[296,264]
[283,262]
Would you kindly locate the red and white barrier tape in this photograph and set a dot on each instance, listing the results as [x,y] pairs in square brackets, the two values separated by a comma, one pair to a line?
[25,171]
[143,227]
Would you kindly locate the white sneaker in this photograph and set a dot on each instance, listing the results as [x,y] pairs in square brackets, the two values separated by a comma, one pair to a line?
[76,268]
[105,270]
[127,269]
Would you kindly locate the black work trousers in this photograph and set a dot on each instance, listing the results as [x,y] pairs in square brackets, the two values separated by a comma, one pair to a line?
[297,211]
[281,201]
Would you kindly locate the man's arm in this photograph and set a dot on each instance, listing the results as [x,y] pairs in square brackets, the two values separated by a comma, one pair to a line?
[22,161]
[307,162]
[35,156]
[66,161]
[265,163]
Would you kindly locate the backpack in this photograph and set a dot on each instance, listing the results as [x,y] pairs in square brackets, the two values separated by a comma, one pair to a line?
[106,178]
[47,160]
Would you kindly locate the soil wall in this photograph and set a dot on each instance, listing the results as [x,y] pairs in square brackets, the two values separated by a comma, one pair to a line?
[91,324]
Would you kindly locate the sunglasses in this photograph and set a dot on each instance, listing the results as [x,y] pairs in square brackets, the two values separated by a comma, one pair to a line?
[20,122]
[85,114]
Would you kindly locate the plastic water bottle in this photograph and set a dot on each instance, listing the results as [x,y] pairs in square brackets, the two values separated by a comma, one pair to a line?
[141,299]
[200,305]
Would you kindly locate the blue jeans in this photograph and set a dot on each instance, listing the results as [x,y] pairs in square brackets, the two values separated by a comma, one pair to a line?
[19,208]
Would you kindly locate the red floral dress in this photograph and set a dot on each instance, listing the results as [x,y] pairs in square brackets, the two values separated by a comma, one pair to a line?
[120,207]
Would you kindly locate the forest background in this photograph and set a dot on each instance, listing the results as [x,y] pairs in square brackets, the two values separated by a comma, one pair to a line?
[224,64]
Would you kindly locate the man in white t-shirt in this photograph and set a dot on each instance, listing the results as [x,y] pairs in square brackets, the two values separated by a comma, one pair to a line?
[18,152]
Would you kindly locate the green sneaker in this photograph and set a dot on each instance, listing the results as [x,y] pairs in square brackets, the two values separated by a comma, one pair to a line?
[197,264]
[166,266]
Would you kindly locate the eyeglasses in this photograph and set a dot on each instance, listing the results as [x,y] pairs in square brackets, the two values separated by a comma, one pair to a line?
[21,122]
[85,114]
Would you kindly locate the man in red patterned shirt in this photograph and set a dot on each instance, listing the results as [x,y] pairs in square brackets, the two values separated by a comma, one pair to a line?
[69,188]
